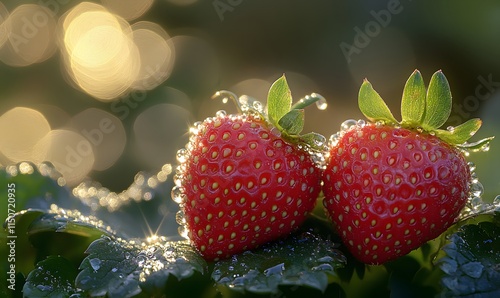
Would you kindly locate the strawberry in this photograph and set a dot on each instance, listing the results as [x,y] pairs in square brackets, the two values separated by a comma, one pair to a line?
[391,186]
[244,180]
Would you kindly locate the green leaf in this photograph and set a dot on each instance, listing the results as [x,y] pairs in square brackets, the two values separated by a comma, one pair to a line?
[279,100]
[302,259]
[71,222]
[309,100]
[438,102]
[459,134]
[479,146]
[292,122]
[471,264]
[52,277]
[315,140]
[120,268]
[413,101]
[372,105]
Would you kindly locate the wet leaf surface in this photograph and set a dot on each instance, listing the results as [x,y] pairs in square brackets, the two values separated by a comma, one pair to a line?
[121,268]
[303,259]
[52,277]
[471,266]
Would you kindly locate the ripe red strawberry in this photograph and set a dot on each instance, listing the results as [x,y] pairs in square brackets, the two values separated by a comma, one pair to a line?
[390,187]
[244,181]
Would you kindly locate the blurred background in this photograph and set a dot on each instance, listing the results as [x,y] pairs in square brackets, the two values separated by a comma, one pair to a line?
[106,89]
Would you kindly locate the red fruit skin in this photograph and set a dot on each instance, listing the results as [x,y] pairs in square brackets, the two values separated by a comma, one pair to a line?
[389,190]
[244,186]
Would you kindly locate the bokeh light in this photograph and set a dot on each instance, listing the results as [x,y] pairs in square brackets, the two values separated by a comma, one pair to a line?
[4,24]
[30,127]
[159,131]
[128,9]
[106,134]
[156,55]
[69,152]
[30,34]
[99,54]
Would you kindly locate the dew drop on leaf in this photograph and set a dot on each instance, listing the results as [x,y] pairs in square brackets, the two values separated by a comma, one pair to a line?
[321,104]
[95,263]
[322,267]
[275,270]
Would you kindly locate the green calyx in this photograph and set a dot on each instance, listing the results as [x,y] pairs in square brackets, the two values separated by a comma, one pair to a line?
[423,109]
[288,118]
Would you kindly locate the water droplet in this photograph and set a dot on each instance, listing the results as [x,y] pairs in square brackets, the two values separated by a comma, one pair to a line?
[258,106]
[221,114]
[95,263]
[45,288]
[476,189]
[26,168]
[472,166]
[275,270]
[485,148]
[322,267]
[334,140]
[361,123]
[450,128]
[496,201]
[326,259]
[182,155]
[321,104]
[183,231]
[180,218]
[178,194]
[346,125]
[141,259]
[114,269]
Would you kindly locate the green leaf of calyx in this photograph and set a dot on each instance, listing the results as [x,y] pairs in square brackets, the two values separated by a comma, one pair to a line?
[372,105]
[292,122]
[309,100]
[279,100]
[119,268]
[302,259]
[460,134]
[438,102]
[479,146]
[413,101]
[470,266]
